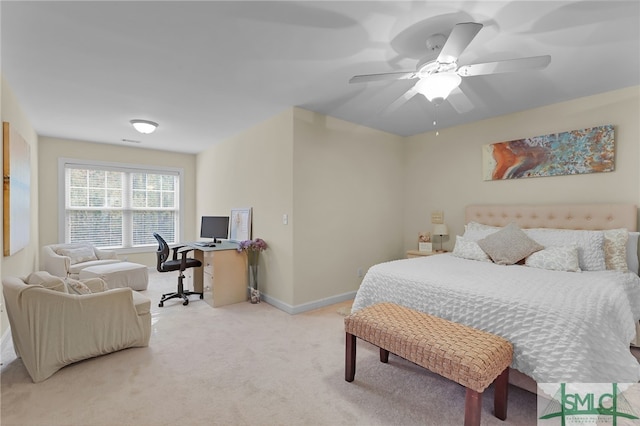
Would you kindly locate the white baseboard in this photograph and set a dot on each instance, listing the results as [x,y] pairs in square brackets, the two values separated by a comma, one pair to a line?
[309,306]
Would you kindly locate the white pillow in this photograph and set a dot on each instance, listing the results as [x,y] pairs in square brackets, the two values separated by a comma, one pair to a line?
[77,287]
[474,231]
[559,258]
[632,252]
[95,285]
[79,254]
[590,244]
[469,250]
[615,249]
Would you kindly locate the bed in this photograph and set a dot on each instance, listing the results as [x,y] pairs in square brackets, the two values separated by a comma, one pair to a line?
[566,325]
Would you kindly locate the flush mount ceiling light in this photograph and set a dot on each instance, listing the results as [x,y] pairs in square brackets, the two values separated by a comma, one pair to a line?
[436,87]
[144,126]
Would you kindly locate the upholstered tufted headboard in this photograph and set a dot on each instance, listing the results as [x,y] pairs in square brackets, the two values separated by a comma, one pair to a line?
[561,216]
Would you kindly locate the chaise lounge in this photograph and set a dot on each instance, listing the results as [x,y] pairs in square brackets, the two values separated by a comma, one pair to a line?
[67,260]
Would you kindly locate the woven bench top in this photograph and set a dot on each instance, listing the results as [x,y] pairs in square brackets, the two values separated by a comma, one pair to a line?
[470,357]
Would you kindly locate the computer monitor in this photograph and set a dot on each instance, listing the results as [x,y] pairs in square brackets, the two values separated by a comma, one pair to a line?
[214,227]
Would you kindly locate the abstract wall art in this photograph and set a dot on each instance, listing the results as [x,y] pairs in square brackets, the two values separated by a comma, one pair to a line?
[575,152]
[16,175]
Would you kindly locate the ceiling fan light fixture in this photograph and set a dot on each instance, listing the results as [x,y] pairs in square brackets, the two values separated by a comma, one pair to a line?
[144,126]
[436,87]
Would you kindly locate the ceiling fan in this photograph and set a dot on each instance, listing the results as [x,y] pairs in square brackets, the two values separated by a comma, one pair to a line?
[438,78]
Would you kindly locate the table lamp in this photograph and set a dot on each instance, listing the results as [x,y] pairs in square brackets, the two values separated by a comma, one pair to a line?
[441,230]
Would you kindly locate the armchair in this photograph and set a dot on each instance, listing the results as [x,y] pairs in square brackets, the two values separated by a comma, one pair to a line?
[52,328]
[174,264]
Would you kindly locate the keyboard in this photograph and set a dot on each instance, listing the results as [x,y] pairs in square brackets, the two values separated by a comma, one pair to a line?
[204,244]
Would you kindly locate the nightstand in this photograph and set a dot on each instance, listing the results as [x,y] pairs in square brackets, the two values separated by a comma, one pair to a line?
[417,253]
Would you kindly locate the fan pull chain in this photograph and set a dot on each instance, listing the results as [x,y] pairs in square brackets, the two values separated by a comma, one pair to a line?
[435,118]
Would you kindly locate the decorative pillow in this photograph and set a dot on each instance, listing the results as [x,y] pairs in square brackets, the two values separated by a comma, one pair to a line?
[46,280]
[560,258]
[508,245]
[590,244]
[476,226]
[96,285]
[615,249]
[632,252]
[79,254]
[77,287]
[474,231]
[469,250]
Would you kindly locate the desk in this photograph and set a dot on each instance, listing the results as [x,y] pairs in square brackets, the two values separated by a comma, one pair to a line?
[223,274]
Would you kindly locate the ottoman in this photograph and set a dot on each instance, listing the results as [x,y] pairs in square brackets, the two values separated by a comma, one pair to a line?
[120,274]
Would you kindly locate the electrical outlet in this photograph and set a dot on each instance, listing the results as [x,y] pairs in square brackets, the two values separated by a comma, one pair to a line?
[360,274]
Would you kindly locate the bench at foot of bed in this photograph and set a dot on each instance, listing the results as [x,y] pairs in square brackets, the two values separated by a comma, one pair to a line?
[470,357]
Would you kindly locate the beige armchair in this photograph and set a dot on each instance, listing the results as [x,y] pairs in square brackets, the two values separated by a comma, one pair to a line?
[52,328]
[67,260]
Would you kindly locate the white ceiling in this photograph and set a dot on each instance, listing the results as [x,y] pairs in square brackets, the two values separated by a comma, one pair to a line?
[208,70]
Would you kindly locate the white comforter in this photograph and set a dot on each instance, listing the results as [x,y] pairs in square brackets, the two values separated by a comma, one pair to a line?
[564,326]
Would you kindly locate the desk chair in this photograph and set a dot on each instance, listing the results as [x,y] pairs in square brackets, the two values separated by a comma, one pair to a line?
[165,265]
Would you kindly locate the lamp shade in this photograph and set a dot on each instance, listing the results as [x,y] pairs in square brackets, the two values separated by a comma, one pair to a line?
[436,87]
[144,126]
[440,229]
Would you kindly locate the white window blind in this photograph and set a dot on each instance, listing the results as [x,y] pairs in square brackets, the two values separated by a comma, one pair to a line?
[117,206]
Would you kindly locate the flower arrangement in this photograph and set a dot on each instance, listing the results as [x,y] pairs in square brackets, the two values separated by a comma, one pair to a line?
[253,248]
[252,245]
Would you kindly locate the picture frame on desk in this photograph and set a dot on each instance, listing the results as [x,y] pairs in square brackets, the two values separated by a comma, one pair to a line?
[425,247]
[240,224]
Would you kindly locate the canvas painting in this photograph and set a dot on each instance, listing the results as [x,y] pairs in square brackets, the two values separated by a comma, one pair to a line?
[575,152]
[16,190]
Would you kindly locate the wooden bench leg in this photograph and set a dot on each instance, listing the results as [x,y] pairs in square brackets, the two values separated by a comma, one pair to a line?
[384,355]
[501,393]
[350,358]
[472,408]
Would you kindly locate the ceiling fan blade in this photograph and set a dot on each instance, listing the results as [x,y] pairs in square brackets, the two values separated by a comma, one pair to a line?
[402,99]
[513,65]
[400,75]
[459,101]
[458,40]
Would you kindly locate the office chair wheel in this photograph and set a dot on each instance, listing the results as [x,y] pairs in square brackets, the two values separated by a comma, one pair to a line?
[160,304]
[185,303]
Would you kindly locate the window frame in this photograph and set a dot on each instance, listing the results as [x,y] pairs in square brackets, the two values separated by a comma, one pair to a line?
[63,163]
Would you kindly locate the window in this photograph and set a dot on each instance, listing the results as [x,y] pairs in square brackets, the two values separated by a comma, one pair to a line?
[119,206]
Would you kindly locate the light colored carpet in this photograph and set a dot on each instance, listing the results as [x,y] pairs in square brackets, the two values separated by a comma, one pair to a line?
[243,364]
[344,308]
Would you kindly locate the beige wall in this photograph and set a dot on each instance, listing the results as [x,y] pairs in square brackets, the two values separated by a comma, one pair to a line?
[51,149]
[24,261]
[348,204]
[445,172]
[335,181]
[254,169]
